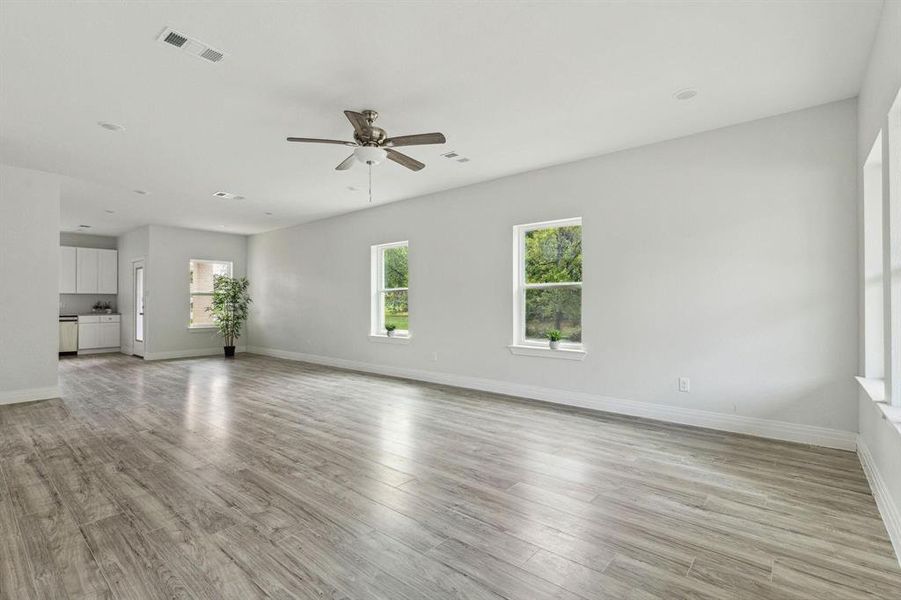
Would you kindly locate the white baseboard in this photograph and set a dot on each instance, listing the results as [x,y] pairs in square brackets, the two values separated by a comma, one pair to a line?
[15,396]
[888,508]
[98,351]
[188,353]
[778,430]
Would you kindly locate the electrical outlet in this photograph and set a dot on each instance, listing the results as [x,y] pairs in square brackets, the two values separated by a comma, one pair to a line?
[684,384]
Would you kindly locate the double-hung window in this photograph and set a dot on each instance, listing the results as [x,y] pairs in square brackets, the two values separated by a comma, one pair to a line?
[390,289]
[548,284]
[203,273]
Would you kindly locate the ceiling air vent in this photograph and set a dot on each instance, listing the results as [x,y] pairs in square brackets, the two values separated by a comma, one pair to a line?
[453,155]
[175,39]
[190,45]
[228,196]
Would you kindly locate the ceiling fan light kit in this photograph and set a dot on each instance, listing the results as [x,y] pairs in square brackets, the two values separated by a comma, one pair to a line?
[372,145]
[370,155]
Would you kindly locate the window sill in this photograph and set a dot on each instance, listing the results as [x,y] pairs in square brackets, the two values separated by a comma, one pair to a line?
[560,353]
[201,328]
[384,339]
[875,389]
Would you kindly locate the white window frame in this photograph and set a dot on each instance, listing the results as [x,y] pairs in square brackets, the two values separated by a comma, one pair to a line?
[231,271]
[521,345]
[377,300]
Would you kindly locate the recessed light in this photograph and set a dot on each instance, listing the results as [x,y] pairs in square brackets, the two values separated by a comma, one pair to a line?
[353,189]
[685,94]
[111,126]
[268,213]
[141,192]
[228,196]
[109,212]
[84,226]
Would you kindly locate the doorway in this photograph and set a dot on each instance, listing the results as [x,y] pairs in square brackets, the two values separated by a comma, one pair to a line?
[137,344]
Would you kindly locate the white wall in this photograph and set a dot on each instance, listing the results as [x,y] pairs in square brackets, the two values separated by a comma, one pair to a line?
[880,441]
[167,280]
[132,245]
[728,257]
[29,285]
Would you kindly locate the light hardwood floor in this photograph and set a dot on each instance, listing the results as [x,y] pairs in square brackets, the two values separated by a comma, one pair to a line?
[207,478]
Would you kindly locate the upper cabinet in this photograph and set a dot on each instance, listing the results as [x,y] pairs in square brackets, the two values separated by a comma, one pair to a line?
[87,276]
[67,267]
[88,271]
[108,280]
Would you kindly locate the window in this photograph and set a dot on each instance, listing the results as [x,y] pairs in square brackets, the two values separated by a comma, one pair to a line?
[390,289]
[201,289]
[548,284]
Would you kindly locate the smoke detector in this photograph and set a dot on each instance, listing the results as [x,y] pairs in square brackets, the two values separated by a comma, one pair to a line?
[192,46]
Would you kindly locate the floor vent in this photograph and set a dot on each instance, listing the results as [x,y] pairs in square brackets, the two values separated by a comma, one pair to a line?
[190,45]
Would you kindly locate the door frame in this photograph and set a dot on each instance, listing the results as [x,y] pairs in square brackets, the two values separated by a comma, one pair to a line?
[138,347]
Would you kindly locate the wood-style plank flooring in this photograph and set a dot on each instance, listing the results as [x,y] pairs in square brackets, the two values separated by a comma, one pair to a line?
[256,477]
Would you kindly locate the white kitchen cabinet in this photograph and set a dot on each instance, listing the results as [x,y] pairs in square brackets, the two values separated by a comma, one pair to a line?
[98,331]
[88,273]
[108,279]
[88,332]
[109,335]
[97,271]
[67,269]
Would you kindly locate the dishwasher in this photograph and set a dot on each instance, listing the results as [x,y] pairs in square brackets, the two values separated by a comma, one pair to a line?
[68,334]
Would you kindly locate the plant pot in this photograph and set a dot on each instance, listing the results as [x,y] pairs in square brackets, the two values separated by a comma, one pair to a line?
[390,333]
[229,351]
[109,311]
[553,344]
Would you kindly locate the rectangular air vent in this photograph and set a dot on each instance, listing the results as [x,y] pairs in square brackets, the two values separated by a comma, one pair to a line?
[453,155]
[190,45]
[175,39]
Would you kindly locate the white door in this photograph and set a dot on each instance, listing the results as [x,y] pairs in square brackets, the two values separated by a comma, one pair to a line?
[108,272]
[137,268]
[67,262]
[88,272]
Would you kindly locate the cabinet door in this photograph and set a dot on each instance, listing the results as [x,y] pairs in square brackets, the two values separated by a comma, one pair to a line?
[67,265]
[88,336]
[109,335]
[88,272]
[109,272]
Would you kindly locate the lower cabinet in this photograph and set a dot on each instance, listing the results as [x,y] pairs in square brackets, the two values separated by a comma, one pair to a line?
[98,331]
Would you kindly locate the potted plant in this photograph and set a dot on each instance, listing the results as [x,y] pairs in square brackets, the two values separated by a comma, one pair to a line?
[229,308]
[389,329]
[98,306]
[553,338]
[107,308]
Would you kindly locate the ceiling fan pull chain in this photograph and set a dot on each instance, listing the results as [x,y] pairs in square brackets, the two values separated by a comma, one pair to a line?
[370,183]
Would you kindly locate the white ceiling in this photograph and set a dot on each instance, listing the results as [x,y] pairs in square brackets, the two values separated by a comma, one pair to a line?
[514,86]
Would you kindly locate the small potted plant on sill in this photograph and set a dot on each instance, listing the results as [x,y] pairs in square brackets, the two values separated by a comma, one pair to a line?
[553,338]
[389,329]
[229,308]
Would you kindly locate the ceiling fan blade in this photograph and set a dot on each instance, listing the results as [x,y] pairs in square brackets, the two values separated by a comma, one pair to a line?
[403,159]
[319,141]
[360,123]
[346,163]
[420,139]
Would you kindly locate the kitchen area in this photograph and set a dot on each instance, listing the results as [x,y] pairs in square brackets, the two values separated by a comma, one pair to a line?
[89,321]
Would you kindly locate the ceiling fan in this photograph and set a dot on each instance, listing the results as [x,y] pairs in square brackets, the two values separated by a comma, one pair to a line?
[372,145]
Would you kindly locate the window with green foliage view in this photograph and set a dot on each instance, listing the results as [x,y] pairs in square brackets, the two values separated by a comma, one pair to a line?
[391,289]
[549,291]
